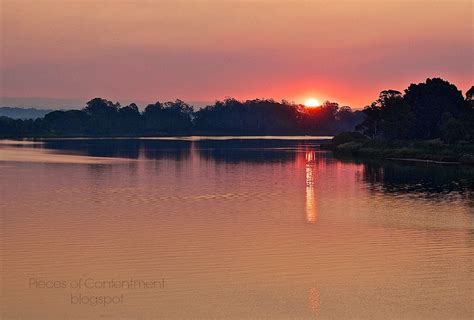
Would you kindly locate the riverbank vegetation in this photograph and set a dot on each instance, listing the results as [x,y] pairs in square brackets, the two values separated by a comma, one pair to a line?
[429,121]
[430,150]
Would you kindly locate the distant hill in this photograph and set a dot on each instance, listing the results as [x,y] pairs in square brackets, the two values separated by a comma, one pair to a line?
[23,113]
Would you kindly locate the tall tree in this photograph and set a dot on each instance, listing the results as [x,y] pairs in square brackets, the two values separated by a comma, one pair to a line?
[429,101]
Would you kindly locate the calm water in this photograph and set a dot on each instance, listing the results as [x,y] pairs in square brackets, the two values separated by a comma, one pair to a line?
[273,229]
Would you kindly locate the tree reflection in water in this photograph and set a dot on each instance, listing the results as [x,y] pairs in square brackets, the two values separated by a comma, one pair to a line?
[420,179]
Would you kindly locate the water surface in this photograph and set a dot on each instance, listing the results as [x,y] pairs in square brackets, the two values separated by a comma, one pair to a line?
[236,228]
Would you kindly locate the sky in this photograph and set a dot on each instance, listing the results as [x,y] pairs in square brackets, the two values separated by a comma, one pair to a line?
[200,51]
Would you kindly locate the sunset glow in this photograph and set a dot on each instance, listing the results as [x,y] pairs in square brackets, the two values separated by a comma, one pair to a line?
[312,102]
[263,49]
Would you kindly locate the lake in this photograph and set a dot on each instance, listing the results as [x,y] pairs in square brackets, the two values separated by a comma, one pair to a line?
[238,228]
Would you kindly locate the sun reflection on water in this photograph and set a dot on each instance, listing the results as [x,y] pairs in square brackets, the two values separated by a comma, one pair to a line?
[314,300]
[311,210]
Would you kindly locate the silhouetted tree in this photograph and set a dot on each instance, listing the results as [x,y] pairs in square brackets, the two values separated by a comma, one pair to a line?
[373,117]
[470,94]
[434,109]
[101,107]
[397,118]
[130,119]
[172,117]
[103,116]
[390,94]
[429,101]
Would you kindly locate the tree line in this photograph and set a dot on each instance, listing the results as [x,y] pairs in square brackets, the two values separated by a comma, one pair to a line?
[101,117]
[435,109]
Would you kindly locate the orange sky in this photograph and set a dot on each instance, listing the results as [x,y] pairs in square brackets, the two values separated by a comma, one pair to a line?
[143,50]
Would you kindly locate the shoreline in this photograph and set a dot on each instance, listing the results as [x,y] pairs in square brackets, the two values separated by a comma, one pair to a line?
[424,161]
[431,151]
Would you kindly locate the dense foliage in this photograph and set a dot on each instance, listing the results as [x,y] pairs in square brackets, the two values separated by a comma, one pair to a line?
[101,117]
[431,110]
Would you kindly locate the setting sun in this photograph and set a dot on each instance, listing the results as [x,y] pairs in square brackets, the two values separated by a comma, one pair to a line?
[312,102]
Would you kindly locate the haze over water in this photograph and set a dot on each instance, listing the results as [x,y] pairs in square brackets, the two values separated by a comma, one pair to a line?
[254,228]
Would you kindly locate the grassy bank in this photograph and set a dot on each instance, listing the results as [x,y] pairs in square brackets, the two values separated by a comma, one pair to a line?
[353,145]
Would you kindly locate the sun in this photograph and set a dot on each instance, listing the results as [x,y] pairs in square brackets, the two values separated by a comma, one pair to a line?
[312,102]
